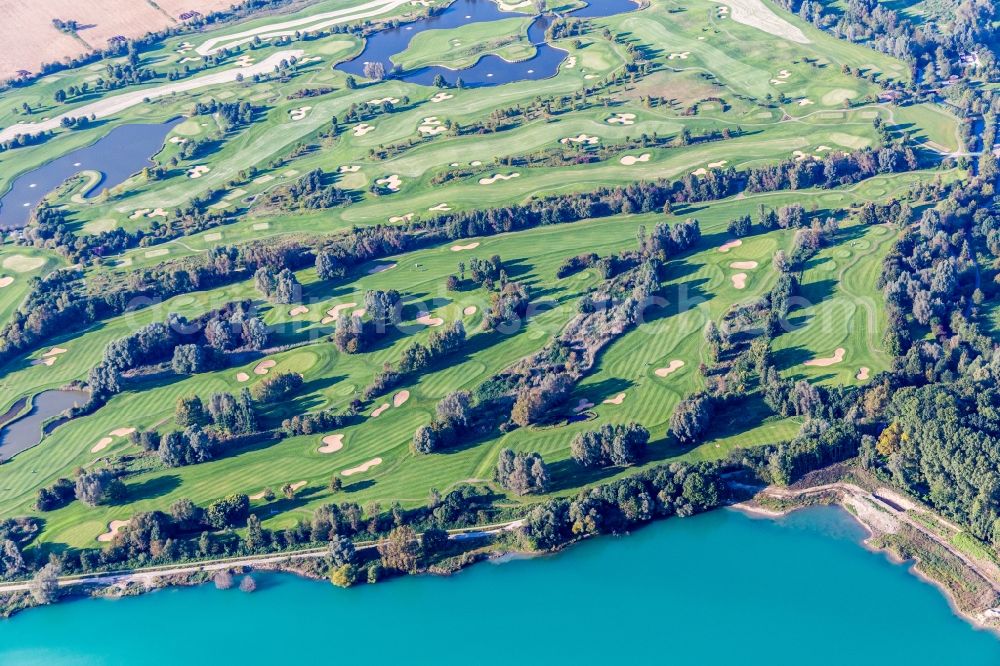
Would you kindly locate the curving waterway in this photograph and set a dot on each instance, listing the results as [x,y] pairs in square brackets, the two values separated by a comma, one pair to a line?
[720,588]
[22,433]
[489,70]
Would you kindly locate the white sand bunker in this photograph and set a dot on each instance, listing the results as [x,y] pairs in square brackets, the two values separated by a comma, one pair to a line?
[823,149]
[299,113]
[837,357]
[298,484]
[679,56]
[800,156]
[475,163]
[242,377]
[178,140]
[583,405]
[426,319]
[718,165]
[102,443]
[863,373]
[353,168]
[6,281]
[396,219]
[498,176]
[113,528]
[582,138]
[391,183]
[805,102]
[743,265]
[333,313]
[380,268]
[258,496]
[570,62]
[380,100]
[264,367]
[362,128]
[55,351]
[459,248]
[617,400]
[198,171]
[784,74]
[157,212]
[470,310]
[727,246]
[332,444]
[378,410]
[674,366]
[629,160]
[441,96]
[431,126]
[364,467]
[50,361]
[122,432]
[400,398]
[621,119]
[740,280]
[440,208]
[298,310]
[700,171]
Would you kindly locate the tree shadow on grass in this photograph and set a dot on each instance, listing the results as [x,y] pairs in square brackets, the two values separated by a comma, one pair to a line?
[282,504]
[151,488]
[358,486]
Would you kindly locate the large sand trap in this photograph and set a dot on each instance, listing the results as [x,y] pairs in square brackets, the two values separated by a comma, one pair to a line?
[6,281]
[743,265]
[362,129]
[727,246]
[718,165]
[264,367]
[298,310]
[700,171]
[380,100]
[629,160]
[440,208]
[392,183]
[617,400]
[571,62]
[459,248]
[622,119]
[352,168]
[44,361]
[298,484]
[55,351]
[498,176]
[426,319]
[396,219]
[258,496]
[113,528]
[198,171]
[679,56]
[756,14]
[378,411]
[299,113]
[837,357]
[364,467]
[242,377]
[470,310]
[674,366]
[799,155]
[582,138]
[583,405]
[113,105]
[400,398]
[863,373]
[332,444]
[380,268]
[102,443]
[740,280]
[441,96]
[805,102]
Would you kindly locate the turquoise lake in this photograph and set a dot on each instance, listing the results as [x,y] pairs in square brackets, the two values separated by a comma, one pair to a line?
[721,588]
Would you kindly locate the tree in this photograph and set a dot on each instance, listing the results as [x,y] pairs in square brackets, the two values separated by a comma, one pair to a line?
[11,559]
[92,486]
[228,512]
[223,580]
[401,550]
[374,71]
[344,576]
[341,551]
[248,584]
[434,540]
[521,473]
[691,418]
[44,586]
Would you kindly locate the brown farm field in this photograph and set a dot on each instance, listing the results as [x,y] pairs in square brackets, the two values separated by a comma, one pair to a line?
[28,37]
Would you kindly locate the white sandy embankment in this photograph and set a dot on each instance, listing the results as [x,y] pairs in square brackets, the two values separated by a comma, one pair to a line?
[630,160]
[109,106]
[837,357]
[674,366]
[756,14]
[363,467]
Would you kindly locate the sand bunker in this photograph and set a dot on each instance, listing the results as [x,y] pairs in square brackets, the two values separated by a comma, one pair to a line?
[570,62]
[332,444]
[364,467]
[583,405]
[784,74]
[470,310]
[380,100]
[400,398]
[396,219]
[740,280]
[113,528]
[674,366]
[718,165]
[823,149]
[44,361]
[298,484]
[743,265]
[498,176]
[756,14]
[258,496]
[805,102]
[299,113]
[582,138]
[55,351]
[198,171]
[617,400]
[621,119]
[426,319]
[242,377]
[121,432]
[440,208]
[799,155]
[391,183]
[629,160]
[431,126]
[863,373]
[726,247]
[349,169]
[178,139]
[700,171]
[837,357]
[679,56]
[380,268]
[102,444]
[298,310]
[264,367]
[459,248]
[6,281]
[362,129]
[378,410]
[441,96]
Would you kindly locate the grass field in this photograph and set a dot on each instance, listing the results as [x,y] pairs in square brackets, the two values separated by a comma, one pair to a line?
[783,97]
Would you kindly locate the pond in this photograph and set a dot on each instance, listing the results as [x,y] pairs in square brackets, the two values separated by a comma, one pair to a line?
[25,431]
